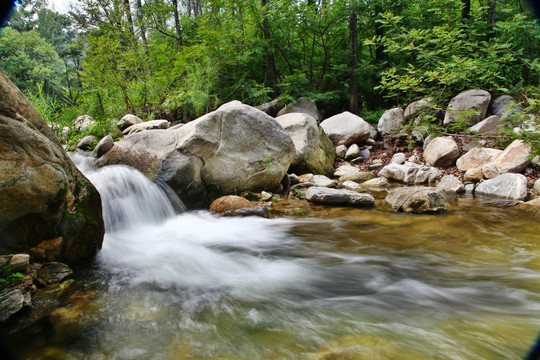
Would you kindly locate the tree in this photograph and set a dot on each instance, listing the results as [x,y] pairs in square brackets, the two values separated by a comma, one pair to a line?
[353,84]
[30,61]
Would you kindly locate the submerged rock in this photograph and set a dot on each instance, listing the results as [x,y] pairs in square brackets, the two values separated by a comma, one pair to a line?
[420,199]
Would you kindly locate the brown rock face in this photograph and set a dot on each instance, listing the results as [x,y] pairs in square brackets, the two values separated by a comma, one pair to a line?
[227,203]
[42,194]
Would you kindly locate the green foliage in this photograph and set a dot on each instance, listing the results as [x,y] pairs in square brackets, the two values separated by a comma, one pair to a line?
[29,60]
[10,277]
[445,59]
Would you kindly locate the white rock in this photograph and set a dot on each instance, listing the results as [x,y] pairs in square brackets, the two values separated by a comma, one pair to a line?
[391,121]
[353,152]
[490,124]
[398,158]
[341,150]
[148,125]
[506,186]
[477,157]
[346,128]
[451,183]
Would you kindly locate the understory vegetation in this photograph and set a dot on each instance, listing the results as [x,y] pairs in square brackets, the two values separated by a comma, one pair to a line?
[178,59]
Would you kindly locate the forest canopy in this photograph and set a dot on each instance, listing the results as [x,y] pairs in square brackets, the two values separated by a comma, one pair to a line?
[178,59]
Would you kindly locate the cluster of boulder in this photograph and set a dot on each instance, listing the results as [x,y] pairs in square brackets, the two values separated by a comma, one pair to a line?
[239,148]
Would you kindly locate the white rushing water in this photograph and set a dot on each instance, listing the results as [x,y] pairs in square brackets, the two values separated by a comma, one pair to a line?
[149,243]
[195,285]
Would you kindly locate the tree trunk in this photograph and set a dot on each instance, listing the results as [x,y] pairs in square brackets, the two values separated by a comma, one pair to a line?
[270,63]
[142,29]
[465,10]
[127,9]
[353,60]
[177,23]
[379,32]
[491,12]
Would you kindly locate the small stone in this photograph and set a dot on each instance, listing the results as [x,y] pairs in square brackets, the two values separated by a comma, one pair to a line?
[379,183]
[365,154]
[323,181]
[260,211]
[469,188]
[341,150]
[229,202]
[473,175]
[351,185]
[375,166]
[352,152]
[398,158]
[304,178]
[19,263]
[536,186]
[127,121]
[329,196]
[265,196]
[451,183]
[358,177]
[346,169]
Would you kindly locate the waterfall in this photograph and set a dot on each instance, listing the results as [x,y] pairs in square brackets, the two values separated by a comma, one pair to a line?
[128,198]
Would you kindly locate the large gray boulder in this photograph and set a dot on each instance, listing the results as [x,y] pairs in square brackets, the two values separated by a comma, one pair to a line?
[390,121]
[441,152]
[327,196]
[346,129]
[42,194]
[315,152]
[420,199]
[476,100]
[505,106]
[302,105]
[410,173]
[505,186]
[233,149]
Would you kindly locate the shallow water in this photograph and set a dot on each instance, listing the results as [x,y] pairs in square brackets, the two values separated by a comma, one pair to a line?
[339,284]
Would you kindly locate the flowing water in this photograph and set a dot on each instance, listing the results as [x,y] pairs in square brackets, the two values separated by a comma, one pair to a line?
[342,284]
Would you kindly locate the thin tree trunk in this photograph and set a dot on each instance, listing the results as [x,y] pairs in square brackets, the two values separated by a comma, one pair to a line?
[465,10]
[353,61]
[142,29]
[127,9]
[491,12]
[379,32]
[177,23]
[270,62]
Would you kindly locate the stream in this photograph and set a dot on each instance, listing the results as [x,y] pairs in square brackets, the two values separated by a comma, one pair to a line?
[341,283]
